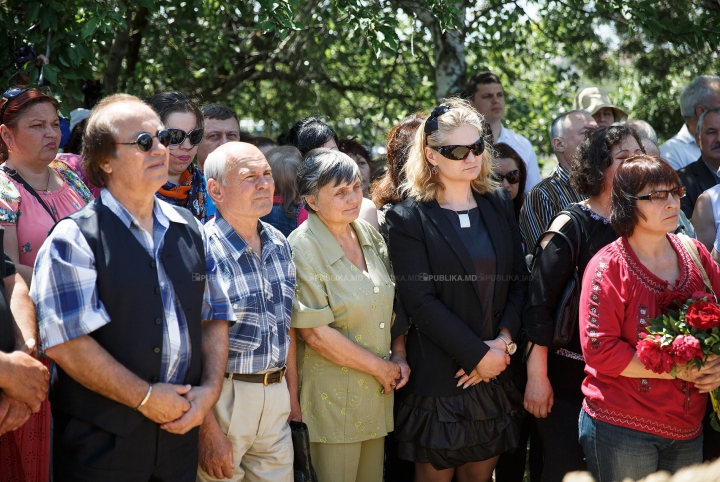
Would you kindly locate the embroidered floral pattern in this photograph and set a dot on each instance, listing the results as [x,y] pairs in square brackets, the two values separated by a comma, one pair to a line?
[26,248]
[593,214]
[8,216]
[75,182]
[594,312]
[648,279]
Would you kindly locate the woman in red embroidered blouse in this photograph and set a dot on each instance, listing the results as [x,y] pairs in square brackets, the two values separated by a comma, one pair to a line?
[635,422]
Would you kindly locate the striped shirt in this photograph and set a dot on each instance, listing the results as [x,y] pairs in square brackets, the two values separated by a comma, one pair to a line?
[65,292]
[544,201]
[261,287]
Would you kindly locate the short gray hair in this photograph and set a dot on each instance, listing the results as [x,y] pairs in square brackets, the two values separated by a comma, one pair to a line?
[216,166]
[701,120]
[557,128]
[696,93]
[644,129]
[324,166]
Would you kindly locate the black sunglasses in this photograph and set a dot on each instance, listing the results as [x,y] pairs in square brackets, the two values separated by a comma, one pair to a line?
[144,141]
[10,94]
[513,177]
[459,153]
[178,136]
[678,192]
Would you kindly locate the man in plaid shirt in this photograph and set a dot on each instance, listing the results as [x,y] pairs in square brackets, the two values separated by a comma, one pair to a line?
[246,436]
[132,313]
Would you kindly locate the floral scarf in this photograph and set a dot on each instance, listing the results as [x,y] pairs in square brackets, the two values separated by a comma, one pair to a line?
[190,193]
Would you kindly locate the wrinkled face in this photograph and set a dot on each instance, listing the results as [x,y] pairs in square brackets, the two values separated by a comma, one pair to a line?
[660,216]
[364,167]
[217,133]
[489,100]
[131,169]
[619,152]
[576,126]
[449,170]
[181,156]
[338,204]
[605,117]
[503,166]
[249,187]
[709,137]
[36,136]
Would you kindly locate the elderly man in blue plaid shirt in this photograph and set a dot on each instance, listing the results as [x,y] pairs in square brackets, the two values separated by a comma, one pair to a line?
[246,436]
[130,309]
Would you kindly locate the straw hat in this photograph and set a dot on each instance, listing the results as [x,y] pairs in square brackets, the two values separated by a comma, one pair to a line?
[592,99]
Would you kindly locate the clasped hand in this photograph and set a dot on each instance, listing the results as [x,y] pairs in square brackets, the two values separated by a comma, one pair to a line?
[492,364]
[177,408]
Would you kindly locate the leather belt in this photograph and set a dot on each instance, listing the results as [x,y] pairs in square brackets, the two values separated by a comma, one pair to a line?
[266,379]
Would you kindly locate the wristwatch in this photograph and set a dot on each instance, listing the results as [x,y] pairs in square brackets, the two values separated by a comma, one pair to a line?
[510,348]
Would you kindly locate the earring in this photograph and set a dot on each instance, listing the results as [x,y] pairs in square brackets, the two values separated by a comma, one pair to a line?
[434,170]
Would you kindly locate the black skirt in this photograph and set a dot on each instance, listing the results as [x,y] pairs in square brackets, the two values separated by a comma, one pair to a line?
[451,431]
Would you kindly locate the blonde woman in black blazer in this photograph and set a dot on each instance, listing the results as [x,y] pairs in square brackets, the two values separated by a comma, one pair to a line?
[461,276]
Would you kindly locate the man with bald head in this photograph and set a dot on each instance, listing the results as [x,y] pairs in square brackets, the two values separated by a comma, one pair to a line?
[247,436]
[131,310]
[554,193]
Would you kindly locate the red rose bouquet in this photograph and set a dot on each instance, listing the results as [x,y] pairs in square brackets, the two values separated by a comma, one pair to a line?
[687,332]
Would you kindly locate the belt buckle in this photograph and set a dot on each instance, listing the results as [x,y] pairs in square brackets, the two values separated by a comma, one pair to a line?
[265,378]
[281,372]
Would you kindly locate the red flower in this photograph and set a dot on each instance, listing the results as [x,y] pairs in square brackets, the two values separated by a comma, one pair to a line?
[699,295]
[686,348]
[671,300]
[703,315]
[653,356]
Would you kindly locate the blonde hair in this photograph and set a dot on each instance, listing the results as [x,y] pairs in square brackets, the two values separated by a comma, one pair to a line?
[420,184]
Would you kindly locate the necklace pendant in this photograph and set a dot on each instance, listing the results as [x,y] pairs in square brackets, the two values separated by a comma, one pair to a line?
[464,220]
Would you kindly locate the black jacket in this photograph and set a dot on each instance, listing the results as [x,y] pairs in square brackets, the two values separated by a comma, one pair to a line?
[446,314]
[697,179]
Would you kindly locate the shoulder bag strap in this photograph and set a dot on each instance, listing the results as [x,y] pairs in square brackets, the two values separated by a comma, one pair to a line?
[17,178]
[692,250]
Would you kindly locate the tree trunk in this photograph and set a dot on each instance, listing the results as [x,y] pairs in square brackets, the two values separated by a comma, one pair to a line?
[139,22]
[449,48]
[116,56]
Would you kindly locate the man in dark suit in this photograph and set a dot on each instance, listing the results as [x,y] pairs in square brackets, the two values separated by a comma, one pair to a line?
[702,174]
[131,310]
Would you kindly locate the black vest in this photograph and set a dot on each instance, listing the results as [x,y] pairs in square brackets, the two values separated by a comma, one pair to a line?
[128,287]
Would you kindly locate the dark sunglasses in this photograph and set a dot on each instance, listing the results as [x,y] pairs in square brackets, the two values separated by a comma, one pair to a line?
[459,153]
[513,177]
[678,192]
[10,94]
[144,141]
[178,136]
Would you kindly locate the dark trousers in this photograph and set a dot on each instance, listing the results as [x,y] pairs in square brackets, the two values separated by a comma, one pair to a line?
[562,452]
[711,438]
[511,465]
[83,452]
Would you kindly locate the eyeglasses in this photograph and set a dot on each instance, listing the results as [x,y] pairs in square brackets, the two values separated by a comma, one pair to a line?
[459,153]
[10,94]
[144,141]
[661,196]
[178,136]
[513,177]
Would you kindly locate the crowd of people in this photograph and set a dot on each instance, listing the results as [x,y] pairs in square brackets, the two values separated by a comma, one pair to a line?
[177,292]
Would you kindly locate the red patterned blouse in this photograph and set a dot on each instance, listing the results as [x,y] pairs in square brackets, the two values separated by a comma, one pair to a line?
[618,295]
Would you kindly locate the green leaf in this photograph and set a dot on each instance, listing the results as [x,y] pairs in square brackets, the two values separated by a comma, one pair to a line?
[50,74]
[89,27]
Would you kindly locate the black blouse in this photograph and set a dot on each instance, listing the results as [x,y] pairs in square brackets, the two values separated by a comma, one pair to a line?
[7,331]
[551,271]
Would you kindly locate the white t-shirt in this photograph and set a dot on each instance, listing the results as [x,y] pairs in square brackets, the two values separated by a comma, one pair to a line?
[681,149]
[525,150]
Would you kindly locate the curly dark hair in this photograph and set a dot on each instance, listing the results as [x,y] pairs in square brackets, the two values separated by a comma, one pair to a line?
[352,146]
[386,189]
[592,158]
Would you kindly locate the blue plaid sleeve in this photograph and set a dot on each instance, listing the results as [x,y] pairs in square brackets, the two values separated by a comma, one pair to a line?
[64,287]
[216,304]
